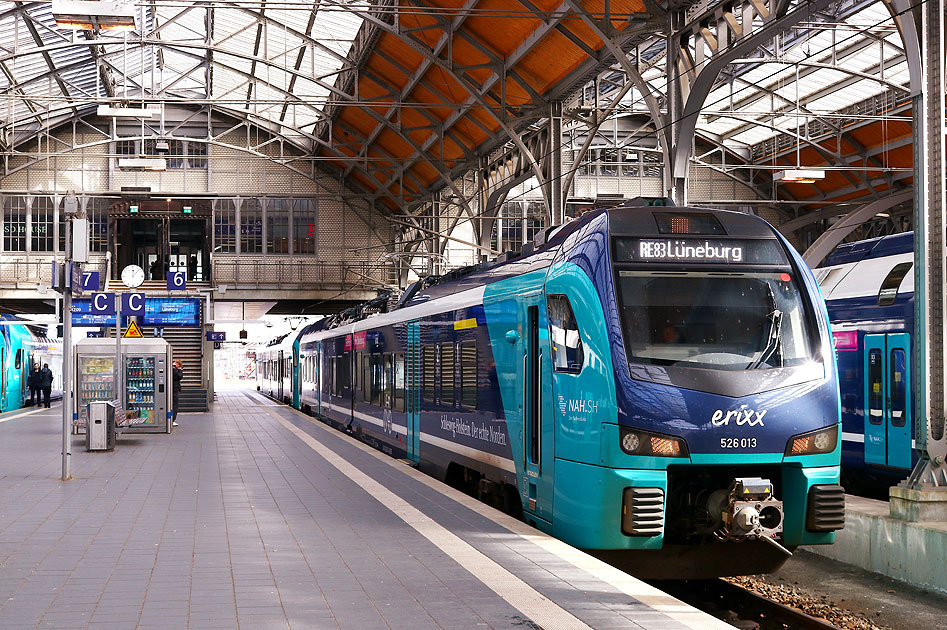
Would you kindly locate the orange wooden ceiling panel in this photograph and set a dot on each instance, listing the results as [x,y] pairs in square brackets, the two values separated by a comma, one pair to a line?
[881,132]
[430,101]
[621,10]
[553,57]
[504,24]
[426,27]
[398,50]
[385,71]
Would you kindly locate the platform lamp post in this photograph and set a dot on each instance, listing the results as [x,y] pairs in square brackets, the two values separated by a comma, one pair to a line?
[76,253]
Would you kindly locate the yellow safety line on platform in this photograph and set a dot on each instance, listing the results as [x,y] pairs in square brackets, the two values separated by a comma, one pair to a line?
[624,583]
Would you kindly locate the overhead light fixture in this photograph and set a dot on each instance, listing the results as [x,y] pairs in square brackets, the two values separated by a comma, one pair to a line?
[798,176]
[101,15]
[142,164]
[162,146]
[124,112]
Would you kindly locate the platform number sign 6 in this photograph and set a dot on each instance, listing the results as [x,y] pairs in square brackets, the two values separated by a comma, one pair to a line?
[177,281]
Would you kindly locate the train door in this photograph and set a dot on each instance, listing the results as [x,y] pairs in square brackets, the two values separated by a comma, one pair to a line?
[320,368]
[888,400]
[344,374]
[538,433]
[296,384]
[279,376]
[413,405]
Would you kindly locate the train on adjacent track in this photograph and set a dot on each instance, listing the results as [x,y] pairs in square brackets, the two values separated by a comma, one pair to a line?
[20,348]
[869,290]
[655,385]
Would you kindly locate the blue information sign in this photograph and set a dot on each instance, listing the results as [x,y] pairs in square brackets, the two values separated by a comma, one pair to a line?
[133,304]
[173,312]
[158,312]
[177,281]
[90,281]
[82,315]
[216,336]
[95,334]
[103,304]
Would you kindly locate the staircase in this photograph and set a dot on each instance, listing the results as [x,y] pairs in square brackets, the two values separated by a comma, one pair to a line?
[187,344]
[192,399]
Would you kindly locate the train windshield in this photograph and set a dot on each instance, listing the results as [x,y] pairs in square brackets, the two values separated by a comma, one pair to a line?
[718,320]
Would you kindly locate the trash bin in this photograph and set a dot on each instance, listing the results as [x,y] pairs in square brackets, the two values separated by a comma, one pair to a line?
[100,432]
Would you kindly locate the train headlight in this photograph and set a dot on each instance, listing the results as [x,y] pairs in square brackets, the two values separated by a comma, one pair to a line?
[814,442]
[636,442]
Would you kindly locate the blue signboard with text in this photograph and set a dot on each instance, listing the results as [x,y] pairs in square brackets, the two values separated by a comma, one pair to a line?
[157,312]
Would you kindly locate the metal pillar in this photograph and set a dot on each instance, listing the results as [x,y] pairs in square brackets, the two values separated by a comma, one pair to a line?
[554,193]
[930,237]
[67,385]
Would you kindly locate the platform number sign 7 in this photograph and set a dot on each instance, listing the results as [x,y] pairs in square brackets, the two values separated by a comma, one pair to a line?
[177,281]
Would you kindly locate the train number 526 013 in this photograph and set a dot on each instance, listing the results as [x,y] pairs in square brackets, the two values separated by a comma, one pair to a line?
[737,442]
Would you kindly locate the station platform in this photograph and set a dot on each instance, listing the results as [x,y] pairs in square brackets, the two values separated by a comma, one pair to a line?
[256,516]
[873,540]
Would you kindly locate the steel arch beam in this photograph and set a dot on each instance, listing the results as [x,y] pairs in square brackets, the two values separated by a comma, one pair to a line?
[824,245]
[706,77]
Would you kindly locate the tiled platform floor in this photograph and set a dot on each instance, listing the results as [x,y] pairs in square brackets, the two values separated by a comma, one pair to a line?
[234,521]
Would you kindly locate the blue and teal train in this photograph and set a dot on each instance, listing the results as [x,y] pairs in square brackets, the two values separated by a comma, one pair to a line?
[655,385]
[20,349]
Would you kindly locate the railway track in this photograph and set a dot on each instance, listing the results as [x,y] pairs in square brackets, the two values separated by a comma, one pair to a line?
[740,607]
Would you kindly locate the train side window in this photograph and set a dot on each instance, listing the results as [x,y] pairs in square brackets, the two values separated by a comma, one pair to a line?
[366,378]
[875,387]
[19,359]
[377,378]
[447,374]
[889,288]
[399,382]
[468,374]
[898,387]
[345,375]
[428,373]
[355,371]
[389,394]
[568,353]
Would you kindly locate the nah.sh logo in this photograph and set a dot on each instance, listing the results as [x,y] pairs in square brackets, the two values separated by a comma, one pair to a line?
[583,406]
[741,416]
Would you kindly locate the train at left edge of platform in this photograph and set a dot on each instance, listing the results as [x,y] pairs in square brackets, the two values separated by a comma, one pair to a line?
[649,384]
[20,349]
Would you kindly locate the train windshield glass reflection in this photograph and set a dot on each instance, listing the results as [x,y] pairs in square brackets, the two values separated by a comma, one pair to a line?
[724,321]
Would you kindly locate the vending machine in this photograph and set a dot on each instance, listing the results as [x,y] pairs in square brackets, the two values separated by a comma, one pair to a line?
[144,405]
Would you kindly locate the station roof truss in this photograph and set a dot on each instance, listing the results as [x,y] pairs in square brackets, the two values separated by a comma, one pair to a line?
[401,99]
[394,98]
[833,94]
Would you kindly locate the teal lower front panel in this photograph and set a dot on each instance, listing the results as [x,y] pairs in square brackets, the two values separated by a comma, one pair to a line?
[587,505]
[796,483]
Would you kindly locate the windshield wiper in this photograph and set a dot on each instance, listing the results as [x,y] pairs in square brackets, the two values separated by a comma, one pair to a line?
[773,335]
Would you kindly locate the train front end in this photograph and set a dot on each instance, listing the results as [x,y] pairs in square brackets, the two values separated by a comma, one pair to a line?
[705,440]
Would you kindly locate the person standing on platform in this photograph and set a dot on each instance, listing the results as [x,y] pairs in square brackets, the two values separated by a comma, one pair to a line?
[45,378]
[177,375]
[192,269]
[33,383]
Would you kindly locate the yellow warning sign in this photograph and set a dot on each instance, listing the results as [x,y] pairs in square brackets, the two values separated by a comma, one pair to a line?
[133,330]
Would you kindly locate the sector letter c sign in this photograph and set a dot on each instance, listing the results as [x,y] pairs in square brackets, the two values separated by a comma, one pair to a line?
[103,303]
[176,281]
[133,304]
